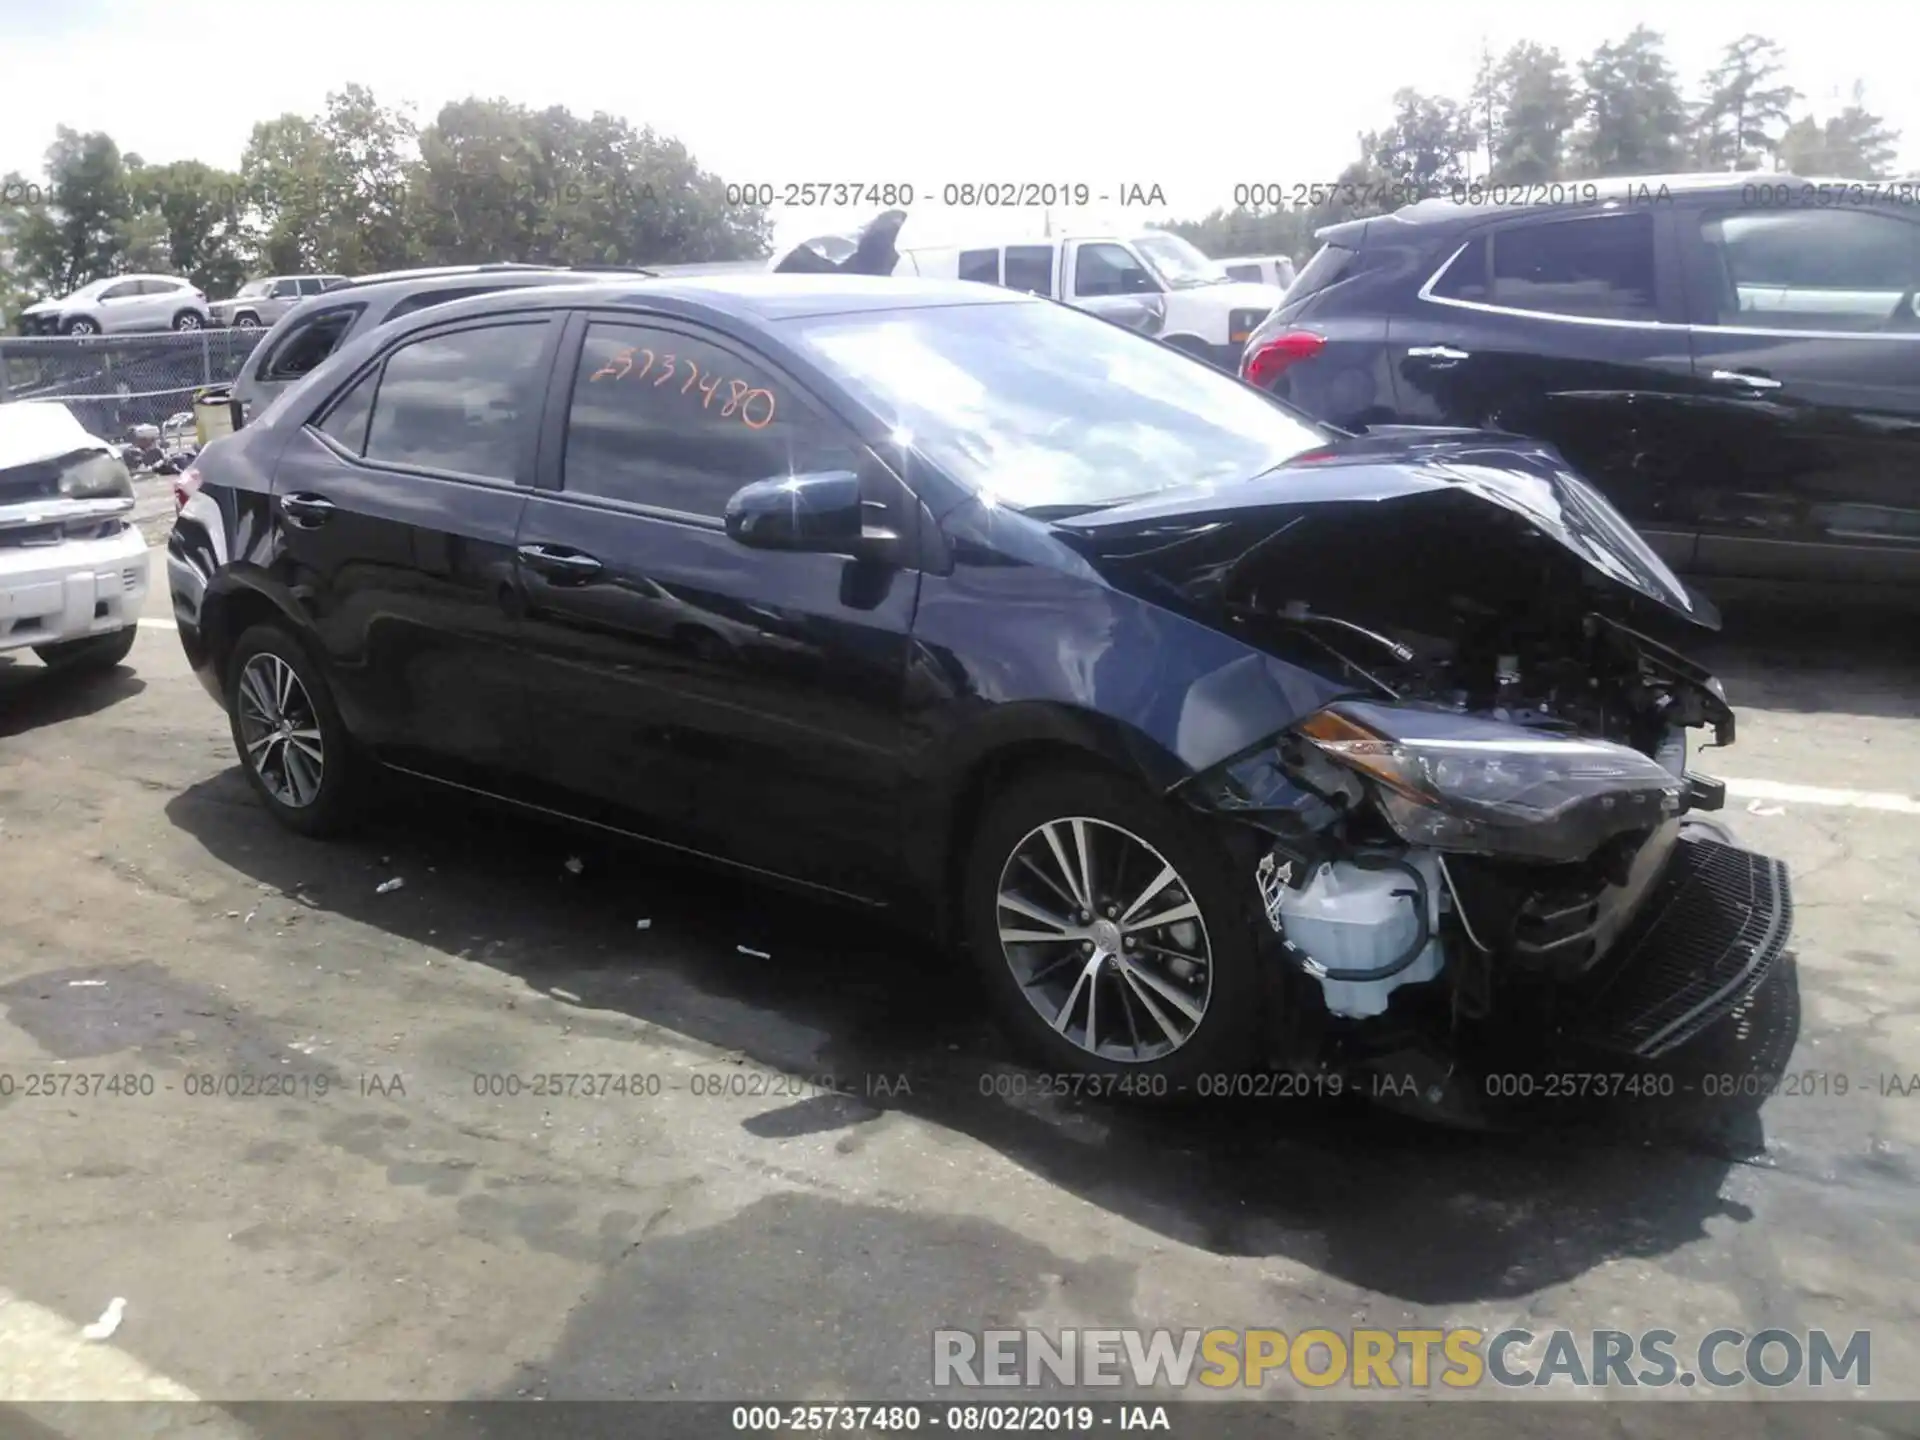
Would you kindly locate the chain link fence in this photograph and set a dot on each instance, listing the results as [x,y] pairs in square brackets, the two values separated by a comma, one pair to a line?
[114,382]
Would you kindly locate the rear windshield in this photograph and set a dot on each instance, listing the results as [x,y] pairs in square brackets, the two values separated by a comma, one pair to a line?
[1042,407]
[1330,263]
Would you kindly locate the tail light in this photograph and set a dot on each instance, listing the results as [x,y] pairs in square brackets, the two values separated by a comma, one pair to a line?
[184,486]
[1263,366]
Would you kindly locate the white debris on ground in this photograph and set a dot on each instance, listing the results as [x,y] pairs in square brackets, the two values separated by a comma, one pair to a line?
[386,887]
[108,1322]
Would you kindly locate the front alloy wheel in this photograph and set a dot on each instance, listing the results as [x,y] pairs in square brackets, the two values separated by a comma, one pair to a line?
[1104,939]
[1112,928]
[279,731]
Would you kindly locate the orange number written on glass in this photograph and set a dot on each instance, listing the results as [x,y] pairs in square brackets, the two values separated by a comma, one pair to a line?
[751,406]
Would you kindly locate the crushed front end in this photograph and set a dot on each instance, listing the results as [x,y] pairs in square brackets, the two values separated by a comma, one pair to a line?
[1496,849]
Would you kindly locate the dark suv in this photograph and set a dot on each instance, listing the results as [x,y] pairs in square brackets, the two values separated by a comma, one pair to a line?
[1734,360]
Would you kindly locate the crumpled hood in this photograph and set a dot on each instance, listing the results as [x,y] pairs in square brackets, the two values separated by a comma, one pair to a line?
[1406,511]
[34,430]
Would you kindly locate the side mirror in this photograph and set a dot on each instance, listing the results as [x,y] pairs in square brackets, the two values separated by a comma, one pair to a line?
[820,513]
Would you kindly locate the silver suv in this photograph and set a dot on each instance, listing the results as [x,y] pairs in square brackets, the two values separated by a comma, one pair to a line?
[118,304]
[263,301]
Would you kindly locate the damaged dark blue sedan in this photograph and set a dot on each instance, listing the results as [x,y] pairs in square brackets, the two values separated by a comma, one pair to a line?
[1221,741]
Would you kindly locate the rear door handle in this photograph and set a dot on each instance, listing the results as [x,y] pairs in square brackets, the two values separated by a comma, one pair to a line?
[1751,379]
[559,565]
[1437,352]
[307,511]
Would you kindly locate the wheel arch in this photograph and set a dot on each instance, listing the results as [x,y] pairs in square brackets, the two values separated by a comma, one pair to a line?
[1009,742]
[243,601]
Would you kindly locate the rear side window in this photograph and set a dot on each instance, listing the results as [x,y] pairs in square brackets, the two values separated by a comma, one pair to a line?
[980,265]
[1466,277]
[1329,265]
[312,284]
[461,402]
[1600,267]
[1030,268]
[346,423]
[661,418]
[1815,270]
[308,343]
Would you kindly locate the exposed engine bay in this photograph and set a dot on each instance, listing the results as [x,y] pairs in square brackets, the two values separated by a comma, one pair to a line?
[1485,820]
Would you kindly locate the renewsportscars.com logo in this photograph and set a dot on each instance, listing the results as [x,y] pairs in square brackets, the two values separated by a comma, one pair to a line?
[1458,1359]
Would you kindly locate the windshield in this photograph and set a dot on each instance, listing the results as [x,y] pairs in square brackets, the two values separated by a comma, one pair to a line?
[1042,406]
[1177,262]
[252,289]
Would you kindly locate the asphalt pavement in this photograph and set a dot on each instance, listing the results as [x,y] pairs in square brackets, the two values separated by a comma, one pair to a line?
[406,1219]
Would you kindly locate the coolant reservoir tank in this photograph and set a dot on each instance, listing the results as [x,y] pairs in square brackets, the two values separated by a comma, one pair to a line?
[1347,918]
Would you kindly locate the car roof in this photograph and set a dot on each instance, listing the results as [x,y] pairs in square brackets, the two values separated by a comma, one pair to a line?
[1486,201]
[762,296]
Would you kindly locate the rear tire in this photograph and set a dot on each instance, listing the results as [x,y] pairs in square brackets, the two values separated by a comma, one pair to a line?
[1156,1019]
[287,731]
[90,656]
[188,320]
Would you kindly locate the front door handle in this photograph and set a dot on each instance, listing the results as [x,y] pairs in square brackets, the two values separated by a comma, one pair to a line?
[1437,352]
[559,565]
[1751,379]
[307,511]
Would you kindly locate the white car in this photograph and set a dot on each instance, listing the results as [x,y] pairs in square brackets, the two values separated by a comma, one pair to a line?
[73,568]
[1274,270]
[1150,280]
[118,305]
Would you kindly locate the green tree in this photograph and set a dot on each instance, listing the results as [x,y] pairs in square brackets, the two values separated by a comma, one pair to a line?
[1248,230]
[1426,148]
[196,211]
[1740,120]
[497,181]
[1634,121]
[1853,145]
[330,192]
[78,230]
[1537,110]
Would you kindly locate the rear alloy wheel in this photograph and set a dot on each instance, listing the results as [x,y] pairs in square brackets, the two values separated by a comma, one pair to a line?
[292,743]
[1108,932]
[187,320]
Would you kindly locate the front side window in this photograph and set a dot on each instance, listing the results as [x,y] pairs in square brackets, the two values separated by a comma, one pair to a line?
[125,290]
[1108,269]
[1043,406]
[285,289]
[664,419]
[461,402]
[253,290]
[1814,269]
[1600,267]
[1030,268]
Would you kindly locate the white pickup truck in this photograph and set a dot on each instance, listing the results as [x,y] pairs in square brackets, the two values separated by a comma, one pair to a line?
[73,568]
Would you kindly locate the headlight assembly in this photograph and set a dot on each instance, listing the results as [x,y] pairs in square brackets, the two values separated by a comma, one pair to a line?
[92,475]
[1459,783]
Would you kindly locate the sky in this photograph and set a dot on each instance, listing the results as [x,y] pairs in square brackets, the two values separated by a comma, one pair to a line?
[1194,98]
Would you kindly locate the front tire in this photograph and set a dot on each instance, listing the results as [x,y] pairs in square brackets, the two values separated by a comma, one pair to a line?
[92,655]
[287,731]
[82,326]
[1160,981]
